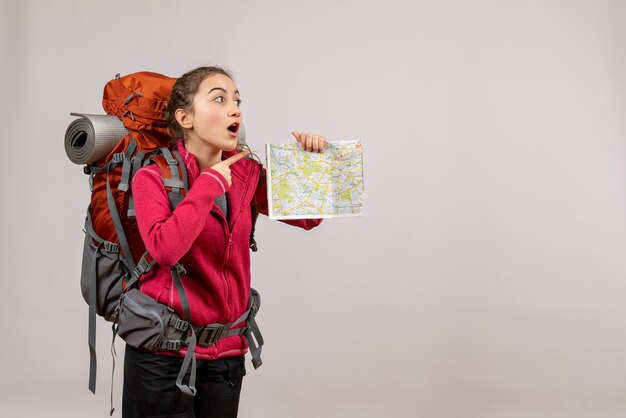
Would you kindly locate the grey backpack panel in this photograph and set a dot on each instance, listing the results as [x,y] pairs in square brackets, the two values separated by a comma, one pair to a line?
[102,271]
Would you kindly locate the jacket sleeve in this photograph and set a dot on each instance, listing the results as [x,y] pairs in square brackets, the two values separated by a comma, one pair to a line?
[261,198]
[168,234]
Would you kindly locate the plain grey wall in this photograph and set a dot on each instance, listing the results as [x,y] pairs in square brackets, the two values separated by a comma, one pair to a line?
[486,279]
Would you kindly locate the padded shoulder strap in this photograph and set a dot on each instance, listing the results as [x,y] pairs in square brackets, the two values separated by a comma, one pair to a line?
[173,174]
[255,209]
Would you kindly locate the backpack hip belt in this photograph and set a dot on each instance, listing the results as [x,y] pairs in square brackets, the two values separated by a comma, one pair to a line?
[171,333]
[209,334]
[147,324]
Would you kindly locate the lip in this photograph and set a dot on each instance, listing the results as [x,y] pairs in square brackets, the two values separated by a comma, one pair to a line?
[234,131]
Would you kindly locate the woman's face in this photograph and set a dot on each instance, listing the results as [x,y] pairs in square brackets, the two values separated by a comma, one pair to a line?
[215,116]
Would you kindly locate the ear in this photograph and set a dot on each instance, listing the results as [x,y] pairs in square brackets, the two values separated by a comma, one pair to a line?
[183,118]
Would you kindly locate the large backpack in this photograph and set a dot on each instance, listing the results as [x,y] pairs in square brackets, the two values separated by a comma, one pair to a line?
[114,256]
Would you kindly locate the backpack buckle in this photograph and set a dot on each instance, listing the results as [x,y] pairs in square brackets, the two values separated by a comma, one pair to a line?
[210,334]
[178,324]
[118,158]
[179,269]
[169,345]
[111,247]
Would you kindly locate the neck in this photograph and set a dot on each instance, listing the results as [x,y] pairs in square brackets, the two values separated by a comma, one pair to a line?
[206,155]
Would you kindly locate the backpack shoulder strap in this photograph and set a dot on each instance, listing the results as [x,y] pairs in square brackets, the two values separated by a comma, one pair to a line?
[255,210]
[173,174]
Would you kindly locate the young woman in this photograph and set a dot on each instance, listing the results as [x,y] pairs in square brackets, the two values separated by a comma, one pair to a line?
[208,233]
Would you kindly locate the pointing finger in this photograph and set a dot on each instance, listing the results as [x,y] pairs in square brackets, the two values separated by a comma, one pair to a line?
[232,160]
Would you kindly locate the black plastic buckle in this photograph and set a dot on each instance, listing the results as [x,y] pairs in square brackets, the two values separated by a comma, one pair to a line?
[170,345]
[178,324]
[141,268]
[209,335]
[111,247]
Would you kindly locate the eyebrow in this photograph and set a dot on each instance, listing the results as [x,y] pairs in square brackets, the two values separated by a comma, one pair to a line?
[221,89]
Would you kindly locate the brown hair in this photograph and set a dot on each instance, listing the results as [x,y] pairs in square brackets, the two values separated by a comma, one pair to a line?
[181,97]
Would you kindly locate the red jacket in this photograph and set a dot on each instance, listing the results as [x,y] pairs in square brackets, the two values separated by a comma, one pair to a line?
[215,252]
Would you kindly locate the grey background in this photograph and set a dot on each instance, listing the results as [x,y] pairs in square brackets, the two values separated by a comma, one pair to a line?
[486,278]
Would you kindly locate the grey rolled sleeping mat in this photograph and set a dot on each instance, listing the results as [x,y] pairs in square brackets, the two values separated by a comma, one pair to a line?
[91,137]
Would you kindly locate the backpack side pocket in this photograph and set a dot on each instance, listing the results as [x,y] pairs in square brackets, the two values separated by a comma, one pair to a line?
[103,272]
[145,323]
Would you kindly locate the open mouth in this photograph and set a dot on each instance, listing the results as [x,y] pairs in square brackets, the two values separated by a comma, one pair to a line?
[234,128]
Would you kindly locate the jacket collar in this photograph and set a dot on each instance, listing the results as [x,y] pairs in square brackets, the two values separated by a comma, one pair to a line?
[190,160]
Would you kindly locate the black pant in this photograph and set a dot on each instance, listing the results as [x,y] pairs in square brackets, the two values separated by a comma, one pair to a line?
[150,387]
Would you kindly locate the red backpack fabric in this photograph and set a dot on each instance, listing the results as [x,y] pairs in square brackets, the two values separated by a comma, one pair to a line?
[139,100]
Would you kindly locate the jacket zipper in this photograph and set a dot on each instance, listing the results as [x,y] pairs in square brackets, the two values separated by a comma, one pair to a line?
[229,247]
[226,283]
[227,289]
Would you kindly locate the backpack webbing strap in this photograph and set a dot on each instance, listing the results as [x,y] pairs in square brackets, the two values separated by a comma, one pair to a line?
[135,164]
[212,333]
[92,296]
[177,271]
[113,356]
[115,216]
[185,183]
[253,333]
[144,265]
[190,358]
[126,165]
[188,362]
[255,341]
[93,365]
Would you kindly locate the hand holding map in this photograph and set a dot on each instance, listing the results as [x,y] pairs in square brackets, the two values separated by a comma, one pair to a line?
[303,184]
[309,141]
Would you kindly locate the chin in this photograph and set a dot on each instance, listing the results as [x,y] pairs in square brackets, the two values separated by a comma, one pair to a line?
[230,147]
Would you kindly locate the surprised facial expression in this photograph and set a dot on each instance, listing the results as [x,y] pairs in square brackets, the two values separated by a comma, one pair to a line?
[215,118]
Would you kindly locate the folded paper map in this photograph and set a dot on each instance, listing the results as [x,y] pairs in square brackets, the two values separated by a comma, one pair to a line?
[302,184]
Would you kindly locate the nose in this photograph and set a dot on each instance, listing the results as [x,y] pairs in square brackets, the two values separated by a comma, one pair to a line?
[234,110]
